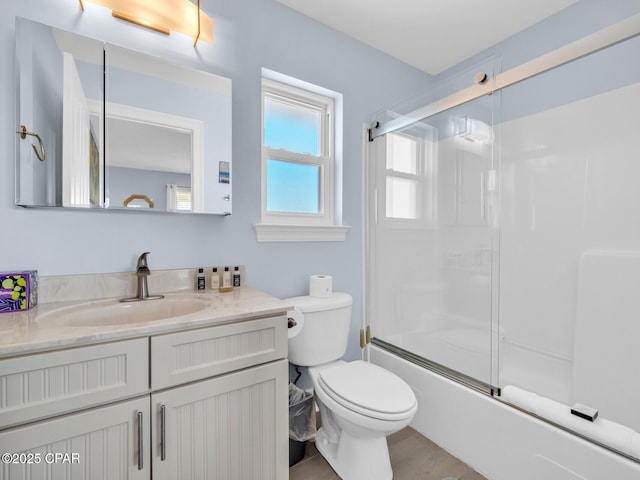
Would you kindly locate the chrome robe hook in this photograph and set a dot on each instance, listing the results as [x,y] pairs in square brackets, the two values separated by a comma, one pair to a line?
[23,134]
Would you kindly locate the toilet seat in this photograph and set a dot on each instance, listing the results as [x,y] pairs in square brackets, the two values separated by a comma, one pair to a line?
[368,390]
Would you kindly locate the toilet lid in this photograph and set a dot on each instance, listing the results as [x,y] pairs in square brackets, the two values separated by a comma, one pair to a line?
[368,388]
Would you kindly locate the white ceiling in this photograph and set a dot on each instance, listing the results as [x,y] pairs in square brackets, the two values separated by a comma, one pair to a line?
[146,146]
[431,35]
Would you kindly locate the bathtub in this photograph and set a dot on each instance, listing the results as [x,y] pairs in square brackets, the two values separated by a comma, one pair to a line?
[500,441]
[460,344]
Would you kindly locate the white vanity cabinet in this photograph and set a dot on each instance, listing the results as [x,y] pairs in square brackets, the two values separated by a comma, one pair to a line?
[208,403]
[229,426]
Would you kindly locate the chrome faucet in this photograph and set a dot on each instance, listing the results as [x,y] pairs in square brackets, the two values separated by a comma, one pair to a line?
[142,272]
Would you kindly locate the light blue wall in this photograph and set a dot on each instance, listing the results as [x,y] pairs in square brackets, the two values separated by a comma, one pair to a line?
[605,70]
[573,23]
[579,20]
[249,35]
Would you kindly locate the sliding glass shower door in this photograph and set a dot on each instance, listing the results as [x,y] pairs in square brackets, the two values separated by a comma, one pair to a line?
[548,166]
[434,228]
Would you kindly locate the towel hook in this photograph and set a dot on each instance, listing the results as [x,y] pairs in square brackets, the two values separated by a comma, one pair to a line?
[23,134]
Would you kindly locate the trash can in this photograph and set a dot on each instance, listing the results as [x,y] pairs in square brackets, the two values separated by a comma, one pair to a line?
[302,422]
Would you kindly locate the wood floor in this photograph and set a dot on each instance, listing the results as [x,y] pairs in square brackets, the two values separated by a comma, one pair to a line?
[413,457]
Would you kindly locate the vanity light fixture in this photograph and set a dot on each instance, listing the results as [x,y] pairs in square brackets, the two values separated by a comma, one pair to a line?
[182,16]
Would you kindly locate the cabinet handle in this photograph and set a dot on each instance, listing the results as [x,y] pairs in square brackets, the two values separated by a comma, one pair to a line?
[140,437]
[163,438]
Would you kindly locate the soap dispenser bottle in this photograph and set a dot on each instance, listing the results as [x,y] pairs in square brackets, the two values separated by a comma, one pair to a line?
[200,280]
[236,277]
[226,281]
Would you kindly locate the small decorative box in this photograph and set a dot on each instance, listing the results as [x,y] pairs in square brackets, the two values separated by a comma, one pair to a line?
[18,290]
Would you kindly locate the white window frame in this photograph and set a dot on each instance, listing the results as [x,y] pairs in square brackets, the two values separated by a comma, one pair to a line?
[297,97]
[294,226]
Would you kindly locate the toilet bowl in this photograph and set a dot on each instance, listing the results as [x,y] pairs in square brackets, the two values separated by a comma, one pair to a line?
[360,403]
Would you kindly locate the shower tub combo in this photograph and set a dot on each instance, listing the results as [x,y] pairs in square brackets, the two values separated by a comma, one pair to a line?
[503,261]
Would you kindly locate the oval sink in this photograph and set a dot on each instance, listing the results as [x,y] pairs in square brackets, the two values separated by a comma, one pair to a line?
[114,312]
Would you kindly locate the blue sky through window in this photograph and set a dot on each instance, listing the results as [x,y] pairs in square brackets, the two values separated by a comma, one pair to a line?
[292,187]
[295,129]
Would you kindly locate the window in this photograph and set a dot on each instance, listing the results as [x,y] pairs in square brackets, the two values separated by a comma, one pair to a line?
[408,176]
[297,155]
[299,163]
[402,177]
[178,198]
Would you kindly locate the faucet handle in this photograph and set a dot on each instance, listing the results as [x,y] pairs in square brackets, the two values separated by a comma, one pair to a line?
[143,268]
[142,260]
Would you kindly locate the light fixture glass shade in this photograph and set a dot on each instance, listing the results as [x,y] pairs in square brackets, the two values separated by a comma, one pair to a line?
[162,15]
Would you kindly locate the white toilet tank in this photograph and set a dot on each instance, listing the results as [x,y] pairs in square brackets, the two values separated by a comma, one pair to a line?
[322,331]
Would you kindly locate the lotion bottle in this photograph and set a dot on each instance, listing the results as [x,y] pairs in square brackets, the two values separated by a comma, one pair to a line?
[215,279]
[226,281]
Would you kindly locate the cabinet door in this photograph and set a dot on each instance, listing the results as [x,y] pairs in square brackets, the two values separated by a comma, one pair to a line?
[198,354]
[34,387]
[230,427]
[109,443]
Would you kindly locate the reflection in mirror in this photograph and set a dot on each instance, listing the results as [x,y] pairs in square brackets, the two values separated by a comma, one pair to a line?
[154,131]
[161,119]
[144,157]
[47,74]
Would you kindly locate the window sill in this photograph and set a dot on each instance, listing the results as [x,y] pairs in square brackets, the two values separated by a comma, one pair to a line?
[300,233]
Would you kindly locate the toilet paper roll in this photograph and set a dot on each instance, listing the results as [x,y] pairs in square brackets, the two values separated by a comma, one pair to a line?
[320,286]
[296,321]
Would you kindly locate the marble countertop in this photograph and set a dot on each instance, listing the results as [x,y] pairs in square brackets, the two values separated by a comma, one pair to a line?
[40,329]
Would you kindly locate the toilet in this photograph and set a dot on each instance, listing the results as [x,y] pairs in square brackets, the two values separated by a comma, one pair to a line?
[360,403]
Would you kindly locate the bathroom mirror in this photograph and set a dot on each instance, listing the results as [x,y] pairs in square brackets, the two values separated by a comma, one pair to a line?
[110,128]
